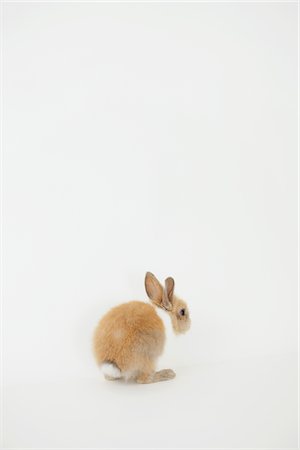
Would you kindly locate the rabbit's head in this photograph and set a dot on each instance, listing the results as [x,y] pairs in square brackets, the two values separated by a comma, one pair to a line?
[165,298]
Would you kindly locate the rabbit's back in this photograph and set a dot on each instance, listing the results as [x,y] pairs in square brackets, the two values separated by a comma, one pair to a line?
[128,334]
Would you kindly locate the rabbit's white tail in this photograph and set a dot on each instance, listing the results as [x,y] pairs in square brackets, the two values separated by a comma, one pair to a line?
[110,370]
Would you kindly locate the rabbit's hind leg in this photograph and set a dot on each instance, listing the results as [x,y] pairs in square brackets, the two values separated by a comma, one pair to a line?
[154,377]
[164,375]
[147,373]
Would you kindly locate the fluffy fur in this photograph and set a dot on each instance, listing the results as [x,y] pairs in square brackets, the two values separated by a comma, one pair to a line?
[110,371]
[130,337]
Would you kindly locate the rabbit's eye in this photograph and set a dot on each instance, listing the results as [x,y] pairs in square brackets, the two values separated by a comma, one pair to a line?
[182,312]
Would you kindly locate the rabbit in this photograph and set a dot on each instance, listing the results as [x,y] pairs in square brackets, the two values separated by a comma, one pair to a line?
[130,337]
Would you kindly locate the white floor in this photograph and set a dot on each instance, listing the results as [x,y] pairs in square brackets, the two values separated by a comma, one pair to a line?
[248,403]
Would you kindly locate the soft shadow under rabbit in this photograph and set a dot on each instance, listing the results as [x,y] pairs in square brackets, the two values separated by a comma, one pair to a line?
[130,337]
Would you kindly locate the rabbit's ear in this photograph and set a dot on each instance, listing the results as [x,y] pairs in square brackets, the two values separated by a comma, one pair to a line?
[168,293]
[153,288]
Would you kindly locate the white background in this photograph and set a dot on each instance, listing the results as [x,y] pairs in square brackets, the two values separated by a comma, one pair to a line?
[157,137]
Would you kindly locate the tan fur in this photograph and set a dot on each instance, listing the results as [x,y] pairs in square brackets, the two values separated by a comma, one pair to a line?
[132,335]
[180,324]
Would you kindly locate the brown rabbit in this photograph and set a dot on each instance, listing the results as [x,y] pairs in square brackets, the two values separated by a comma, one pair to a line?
[131,336]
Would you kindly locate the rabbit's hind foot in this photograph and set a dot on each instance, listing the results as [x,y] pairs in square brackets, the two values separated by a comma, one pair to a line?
[161,375]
